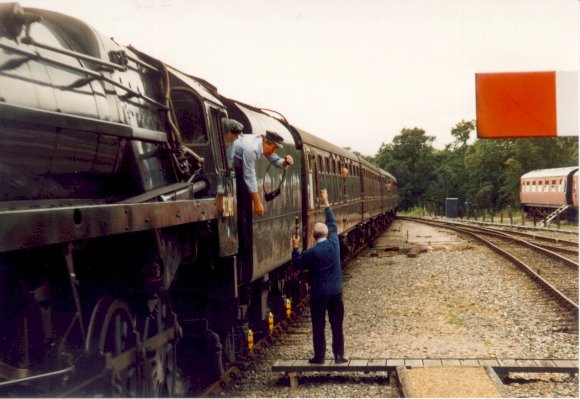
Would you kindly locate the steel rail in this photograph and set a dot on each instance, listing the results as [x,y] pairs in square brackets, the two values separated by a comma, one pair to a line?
[544,250]
[500,234]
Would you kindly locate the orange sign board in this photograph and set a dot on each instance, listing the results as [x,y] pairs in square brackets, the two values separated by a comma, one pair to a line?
[526,104]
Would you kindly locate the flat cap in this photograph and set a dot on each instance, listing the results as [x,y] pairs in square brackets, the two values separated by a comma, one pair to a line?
[275,138]
[233,126]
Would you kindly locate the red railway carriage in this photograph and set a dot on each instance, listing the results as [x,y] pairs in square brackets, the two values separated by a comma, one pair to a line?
[544,190]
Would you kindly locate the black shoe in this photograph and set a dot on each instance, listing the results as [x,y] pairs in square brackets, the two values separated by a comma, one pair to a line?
[340,359]
[316,360]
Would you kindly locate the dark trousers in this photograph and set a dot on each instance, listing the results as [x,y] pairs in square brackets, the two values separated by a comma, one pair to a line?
[245,210]
[335,308]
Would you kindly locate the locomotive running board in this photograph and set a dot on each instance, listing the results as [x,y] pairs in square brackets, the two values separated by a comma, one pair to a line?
[66,224]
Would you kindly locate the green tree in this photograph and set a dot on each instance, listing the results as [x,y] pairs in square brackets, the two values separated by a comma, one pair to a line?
[461,133]
[485,173]
[451,174]
[410,159]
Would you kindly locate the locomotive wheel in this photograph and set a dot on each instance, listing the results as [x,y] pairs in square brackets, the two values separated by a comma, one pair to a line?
[159,374]
[112,332]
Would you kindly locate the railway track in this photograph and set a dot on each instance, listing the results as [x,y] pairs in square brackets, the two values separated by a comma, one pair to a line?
[552,262]
[452,301]
[560,241]
[545,259]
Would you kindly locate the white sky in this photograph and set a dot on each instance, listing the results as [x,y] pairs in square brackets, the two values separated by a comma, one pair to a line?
[354,72]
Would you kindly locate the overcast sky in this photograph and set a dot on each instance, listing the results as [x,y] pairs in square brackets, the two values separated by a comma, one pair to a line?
[354,72]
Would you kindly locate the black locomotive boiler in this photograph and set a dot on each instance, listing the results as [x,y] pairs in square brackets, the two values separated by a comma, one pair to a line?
[122,271]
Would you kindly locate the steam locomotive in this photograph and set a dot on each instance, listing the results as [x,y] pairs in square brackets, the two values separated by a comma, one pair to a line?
[122,271]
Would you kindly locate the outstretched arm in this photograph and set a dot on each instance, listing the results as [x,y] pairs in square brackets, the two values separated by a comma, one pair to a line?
[281,162]
[324,197]
[330,218]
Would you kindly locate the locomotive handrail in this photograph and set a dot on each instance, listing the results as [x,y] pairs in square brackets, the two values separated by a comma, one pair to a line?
[71,53]
[92,74]
[141,62]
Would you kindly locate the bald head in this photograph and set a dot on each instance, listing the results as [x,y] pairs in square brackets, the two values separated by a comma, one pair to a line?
[320,231]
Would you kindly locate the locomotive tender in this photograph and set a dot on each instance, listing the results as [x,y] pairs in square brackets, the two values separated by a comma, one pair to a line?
[120,259]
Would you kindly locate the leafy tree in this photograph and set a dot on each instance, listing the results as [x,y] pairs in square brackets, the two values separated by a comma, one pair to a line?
[485,173]
[451,175]
[484,165]
[410,159]
[461,133]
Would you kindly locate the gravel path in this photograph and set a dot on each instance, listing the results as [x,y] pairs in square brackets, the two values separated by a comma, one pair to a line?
[458,300]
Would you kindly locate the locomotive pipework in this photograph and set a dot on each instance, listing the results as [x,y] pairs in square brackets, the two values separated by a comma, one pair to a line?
[126,261]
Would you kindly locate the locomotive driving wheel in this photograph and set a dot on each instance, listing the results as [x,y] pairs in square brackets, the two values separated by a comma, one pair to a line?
[112,334]
[158,330]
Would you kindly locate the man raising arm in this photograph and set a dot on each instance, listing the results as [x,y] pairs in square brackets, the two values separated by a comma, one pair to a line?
[323,262]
